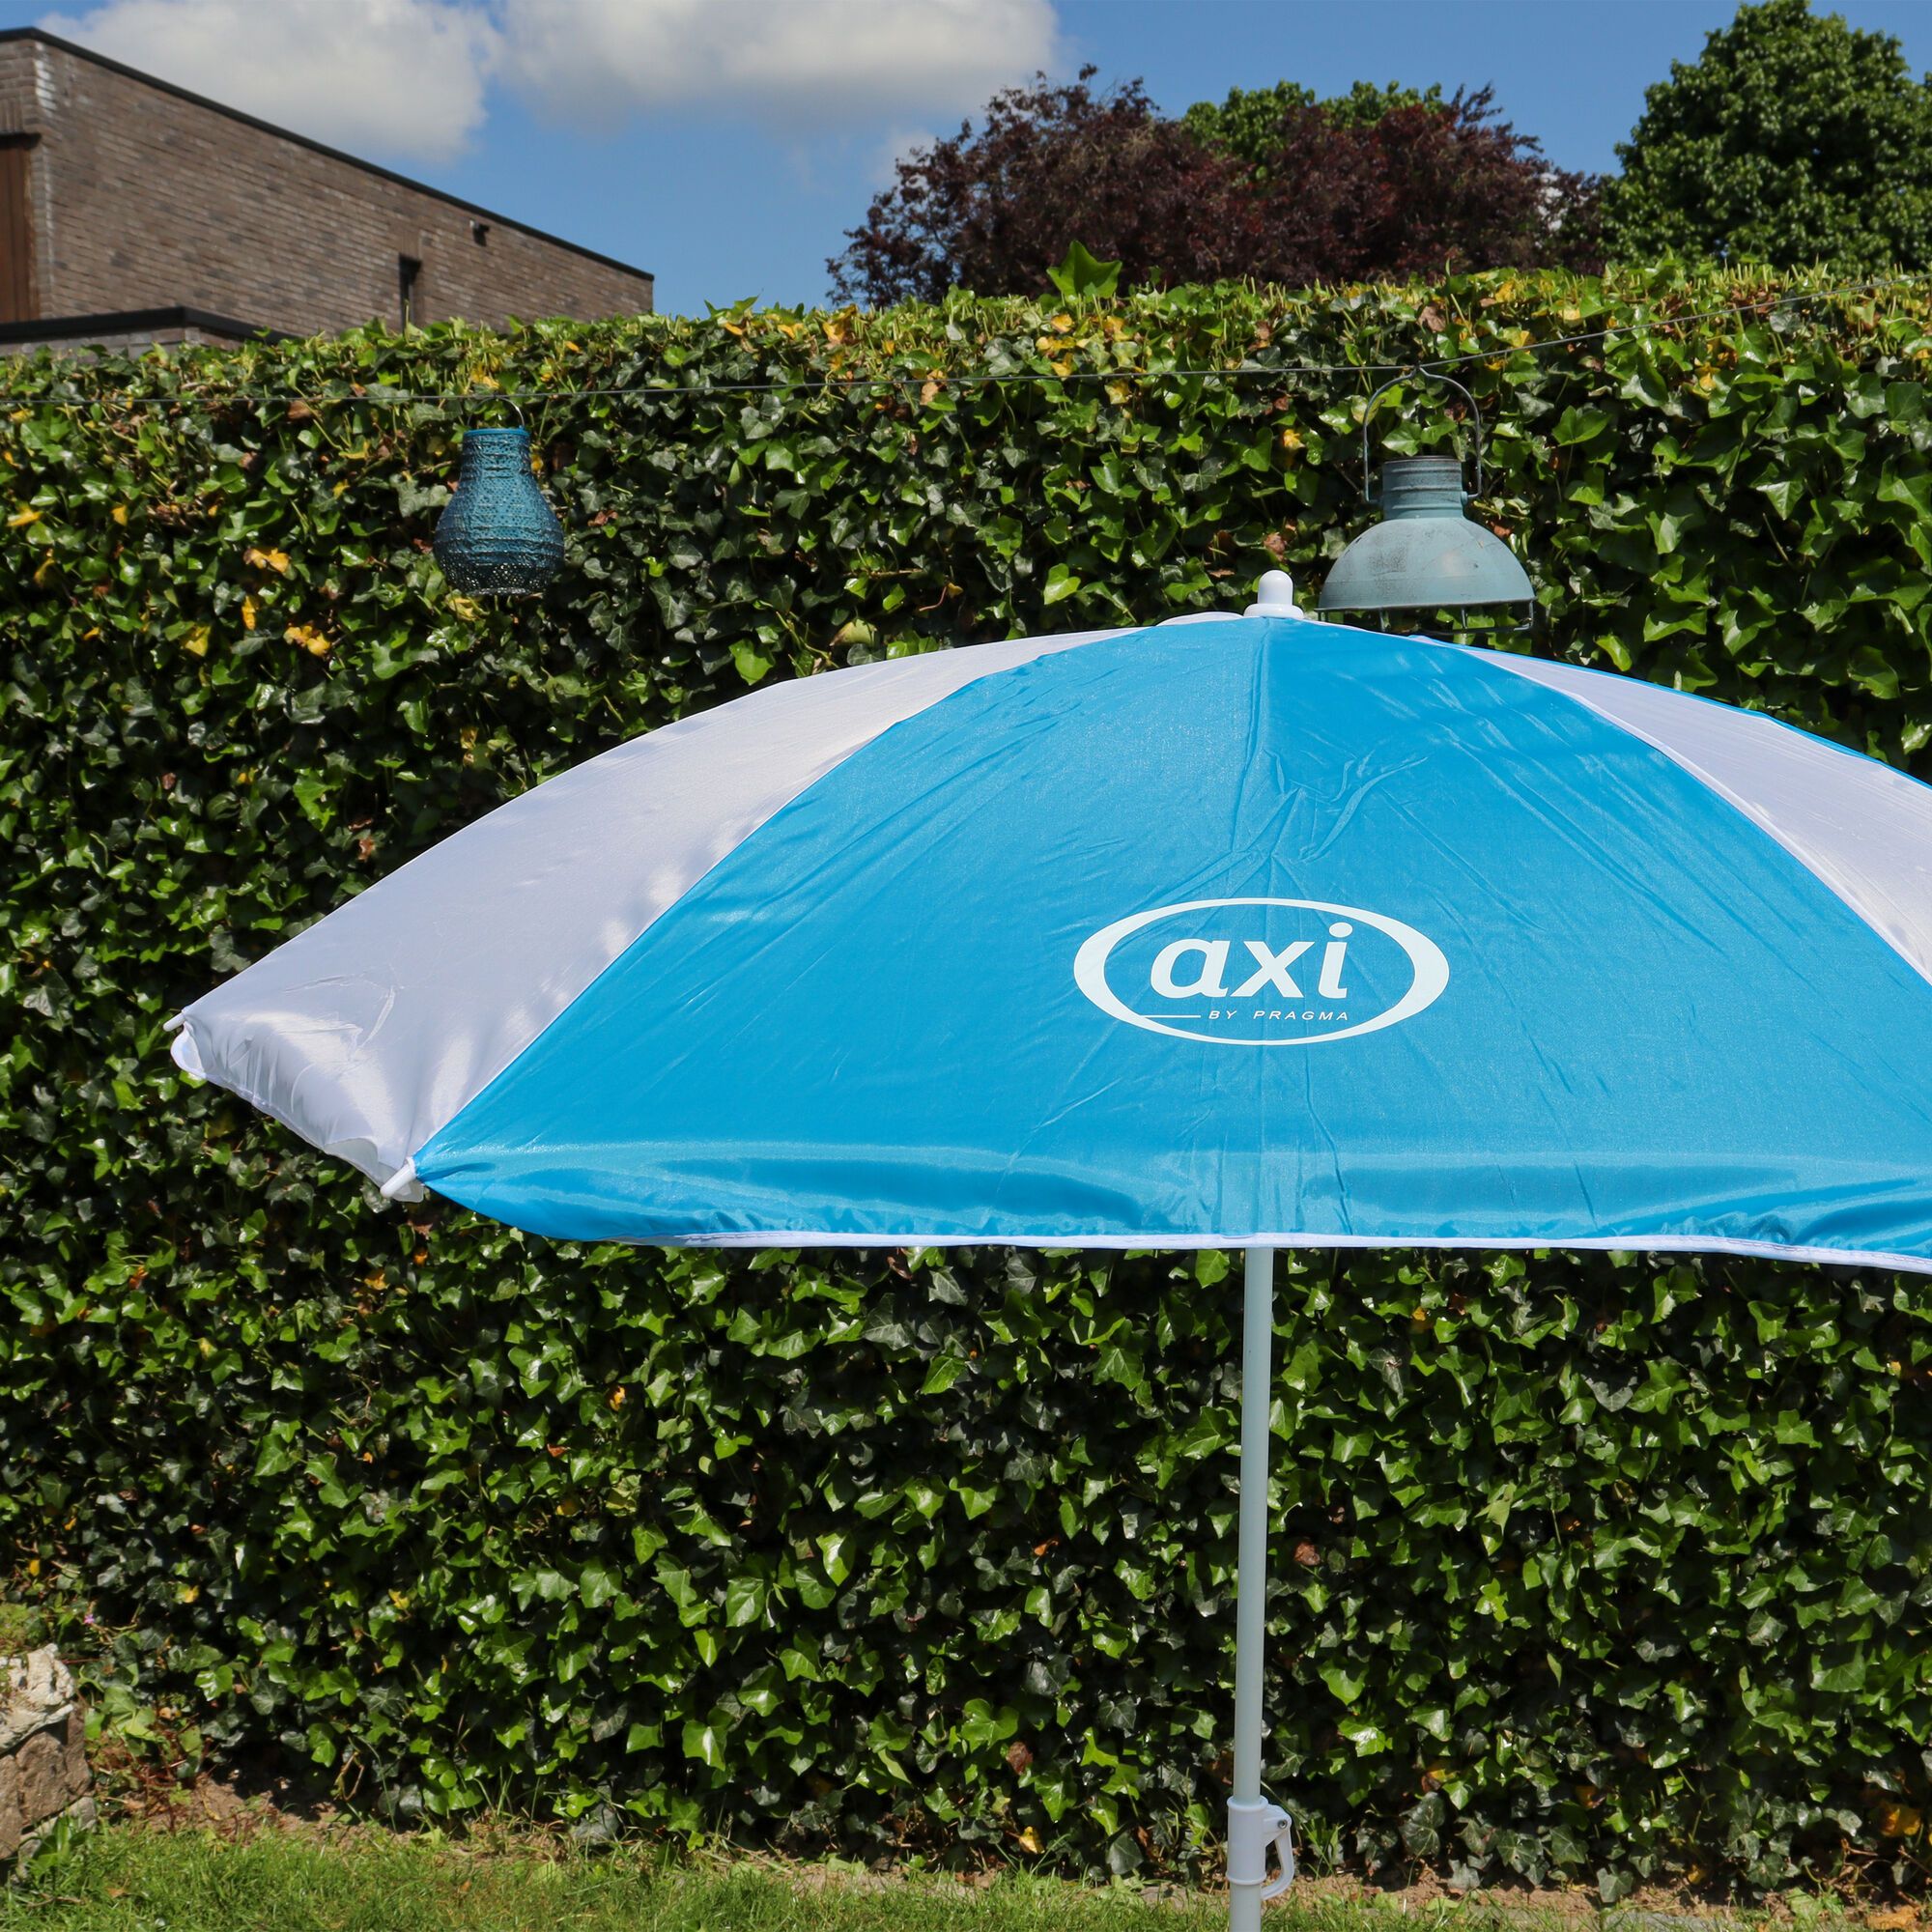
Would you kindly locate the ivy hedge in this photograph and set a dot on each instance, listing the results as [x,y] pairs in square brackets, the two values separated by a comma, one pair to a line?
[1607,1567]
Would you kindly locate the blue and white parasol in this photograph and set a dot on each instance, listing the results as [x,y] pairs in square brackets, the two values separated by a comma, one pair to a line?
[1248,931]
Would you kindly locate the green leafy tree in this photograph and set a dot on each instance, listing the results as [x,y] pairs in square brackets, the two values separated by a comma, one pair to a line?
[1248,125]
[1795,138]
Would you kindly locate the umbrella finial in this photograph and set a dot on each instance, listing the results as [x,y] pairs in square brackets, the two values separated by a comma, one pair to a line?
[1274,596]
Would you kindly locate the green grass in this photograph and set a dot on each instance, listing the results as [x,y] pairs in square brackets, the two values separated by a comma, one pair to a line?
[128,1880]
[143,1879]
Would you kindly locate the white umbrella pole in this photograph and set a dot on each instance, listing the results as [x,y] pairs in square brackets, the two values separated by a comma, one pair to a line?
[1252,1820]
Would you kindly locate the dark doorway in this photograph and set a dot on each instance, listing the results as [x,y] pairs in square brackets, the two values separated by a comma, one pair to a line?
[409,271]
[16,230]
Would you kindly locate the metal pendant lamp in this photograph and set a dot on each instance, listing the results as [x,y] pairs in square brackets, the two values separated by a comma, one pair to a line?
[1426,553]
[499,536]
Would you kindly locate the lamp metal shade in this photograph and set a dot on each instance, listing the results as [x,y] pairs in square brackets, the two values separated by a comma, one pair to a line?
[1425,555]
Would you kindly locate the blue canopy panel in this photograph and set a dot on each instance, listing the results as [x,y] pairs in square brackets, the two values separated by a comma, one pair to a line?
[1267,931]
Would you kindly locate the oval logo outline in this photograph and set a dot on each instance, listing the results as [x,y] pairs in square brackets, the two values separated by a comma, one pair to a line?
[1429,965]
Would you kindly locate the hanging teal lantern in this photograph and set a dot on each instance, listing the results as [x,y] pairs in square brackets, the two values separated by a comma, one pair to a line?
[499,537]
[1426,553]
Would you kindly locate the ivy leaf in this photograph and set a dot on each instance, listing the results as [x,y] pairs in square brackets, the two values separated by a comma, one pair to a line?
[704,1740]
[745,1601]
[1079,274]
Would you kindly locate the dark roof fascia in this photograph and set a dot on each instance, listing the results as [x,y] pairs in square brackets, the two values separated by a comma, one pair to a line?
[132,322]
[489,214]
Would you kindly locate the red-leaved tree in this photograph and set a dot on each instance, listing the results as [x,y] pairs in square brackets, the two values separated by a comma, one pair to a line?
[992,210]
[1423,190]
[1426,185]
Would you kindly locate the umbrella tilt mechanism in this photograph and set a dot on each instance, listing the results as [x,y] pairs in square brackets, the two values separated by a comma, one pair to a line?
[1252,1827]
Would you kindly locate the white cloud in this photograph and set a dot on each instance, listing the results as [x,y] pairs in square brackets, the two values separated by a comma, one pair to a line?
[810,64]
[403,77]
[410,77]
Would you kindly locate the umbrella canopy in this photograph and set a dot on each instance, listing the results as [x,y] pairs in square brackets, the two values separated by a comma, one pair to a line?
[1249,931]
[1221,932]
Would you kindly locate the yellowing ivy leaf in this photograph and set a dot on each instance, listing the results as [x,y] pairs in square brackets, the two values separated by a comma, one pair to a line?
[1897,1820]
[276,561]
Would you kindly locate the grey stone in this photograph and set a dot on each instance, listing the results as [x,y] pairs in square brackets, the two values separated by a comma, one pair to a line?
[42,1762]
[10,1808]
[39,1692]
[44,1773]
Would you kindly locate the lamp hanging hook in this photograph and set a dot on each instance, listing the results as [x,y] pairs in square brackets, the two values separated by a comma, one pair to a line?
[1431,376]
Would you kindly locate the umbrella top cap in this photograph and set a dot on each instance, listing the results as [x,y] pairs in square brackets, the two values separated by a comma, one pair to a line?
[1274,597]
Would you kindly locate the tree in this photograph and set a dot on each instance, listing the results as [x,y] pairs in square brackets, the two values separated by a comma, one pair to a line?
[1248,124]
[1272,184]
[992,210]
[1794,139]
[1415,188]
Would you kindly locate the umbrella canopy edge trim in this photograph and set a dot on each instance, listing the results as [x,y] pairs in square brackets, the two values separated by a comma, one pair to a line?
[1174,1244]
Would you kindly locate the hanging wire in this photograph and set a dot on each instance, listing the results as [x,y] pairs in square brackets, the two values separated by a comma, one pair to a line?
[989,378]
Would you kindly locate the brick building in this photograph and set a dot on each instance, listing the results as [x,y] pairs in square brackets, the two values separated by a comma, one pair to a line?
[134,211]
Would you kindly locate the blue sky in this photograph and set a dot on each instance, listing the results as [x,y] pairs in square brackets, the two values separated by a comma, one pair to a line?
[725,144]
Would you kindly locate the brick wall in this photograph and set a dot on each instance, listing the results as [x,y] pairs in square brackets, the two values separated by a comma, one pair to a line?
[144,199]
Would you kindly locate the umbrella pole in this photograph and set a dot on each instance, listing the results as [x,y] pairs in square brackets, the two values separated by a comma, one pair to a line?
[1252,1820]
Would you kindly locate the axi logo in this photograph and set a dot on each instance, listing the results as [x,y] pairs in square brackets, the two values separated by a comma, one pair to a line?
[1260,972]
